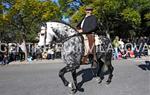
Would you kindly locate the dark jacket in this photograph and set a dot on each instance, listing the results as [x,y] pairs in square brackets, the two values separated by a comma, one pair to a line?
[90,24]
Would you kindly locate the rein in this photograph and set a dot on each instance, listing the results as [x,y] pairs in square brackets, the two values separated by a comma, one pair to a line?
[66,39]
[69,37]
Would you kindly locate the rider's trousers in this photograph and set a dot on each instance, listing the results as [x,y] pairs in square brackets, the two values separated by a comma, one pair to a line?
[89,41]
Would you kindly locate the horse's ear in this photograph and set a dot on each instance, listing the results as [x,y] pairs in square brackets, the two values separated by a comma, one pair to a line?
[44,25]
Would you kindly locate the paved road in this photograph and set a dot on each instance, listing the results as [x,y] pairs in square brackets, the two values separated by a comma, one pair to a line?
[131,77]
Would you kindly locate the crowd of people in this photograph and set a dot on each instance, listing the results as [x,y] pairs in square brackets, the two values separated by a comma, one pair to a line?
[14,52]
[9,53]
[131,48]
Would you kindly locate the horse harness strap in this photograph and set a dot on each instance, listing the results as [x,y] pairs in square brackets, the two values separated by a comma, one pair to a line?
[67,38]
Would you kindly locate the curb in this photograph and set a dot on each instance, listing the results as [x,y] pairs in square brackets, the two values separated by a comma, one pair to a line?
[36,62]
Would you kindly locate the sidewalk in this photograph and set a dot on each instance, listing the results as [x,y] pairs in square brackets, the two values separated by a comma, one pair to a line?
[36,61]
[143,58]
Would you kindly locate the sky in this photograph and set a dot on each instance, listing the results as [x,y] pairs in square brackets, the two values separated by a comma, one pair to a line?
[6,5]
[55,1]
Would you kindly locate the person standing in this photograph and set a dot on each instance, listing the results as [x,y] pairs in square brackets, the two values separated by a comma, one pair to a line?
[116,47]
[5,60]
[121,44]
[87,26]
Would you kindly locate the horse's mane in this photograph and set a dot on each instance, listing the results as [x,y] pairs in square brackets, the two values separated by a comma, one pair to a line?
[64,23]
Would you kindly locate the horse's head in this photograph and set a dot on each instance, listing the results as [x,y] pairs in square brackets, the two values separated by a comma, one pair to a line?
[50,34]
[42,36]
[55,31]
[58,31]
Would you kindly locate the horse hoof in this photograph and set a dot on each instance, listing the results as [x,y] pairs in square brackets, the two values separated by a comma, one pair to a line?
[73,88]
[98,80]
[73,91]
[108,82]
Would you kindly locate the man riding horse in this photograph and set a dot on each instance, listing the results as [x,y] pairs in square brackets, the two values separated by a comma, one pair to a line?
[73,47]
[87,26]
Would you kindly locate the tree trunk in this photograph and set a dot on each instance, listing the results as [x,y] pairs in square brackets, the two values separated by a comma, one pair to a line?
[107,34]
[24,48]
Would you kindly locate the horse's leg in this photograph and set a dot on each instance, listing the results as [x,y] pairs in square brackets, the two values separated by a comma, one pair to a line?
[111,69]
[99,72]
[74,85]
[61,75]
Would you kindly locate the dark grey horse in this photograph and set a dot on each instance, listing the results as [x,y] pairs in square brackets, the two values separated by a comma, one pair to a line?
[73,50]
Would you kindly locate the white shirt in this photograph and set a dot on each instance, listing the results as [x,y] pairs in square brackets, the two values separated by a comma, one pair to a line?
[83,21]
[121,43]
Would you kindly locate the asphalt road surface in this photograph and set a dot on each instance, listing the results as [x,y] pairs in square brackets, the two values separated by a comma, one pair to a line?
[131,77]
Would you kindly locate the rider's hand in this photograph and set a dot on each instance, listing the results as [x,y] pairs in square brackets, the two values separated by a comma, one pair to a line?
[80,30]
[78,34]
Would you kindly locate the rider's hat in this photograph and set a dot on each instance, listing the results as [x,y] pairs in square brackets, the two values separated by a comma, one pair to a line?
[89,8]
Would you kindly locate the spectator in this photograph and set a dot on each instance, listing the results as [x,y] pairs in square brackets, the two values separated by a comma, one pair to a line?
[137,52]
[5,57]
[124,54]
[50,54]
[116,47]
[145,48]
[29,58]
[21,54]
[58,50]
[38,53]
[1,58]
[121,48]
[44,55]
[12,52]
[22,50]
[121,44]
[34,52]
[140,45]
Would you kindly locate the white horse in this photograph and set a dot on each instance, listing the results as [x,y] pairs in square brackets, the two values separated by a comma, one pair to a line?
[73,51]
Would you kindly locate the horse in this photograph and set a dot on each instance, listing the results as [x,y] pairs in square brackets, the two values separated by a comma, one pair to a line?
[73,51]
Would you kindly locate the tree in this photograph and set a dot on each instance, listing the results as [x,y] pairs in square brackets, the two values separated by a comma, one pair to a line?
[68,7]
[118,17]
[25,16]
[105,10]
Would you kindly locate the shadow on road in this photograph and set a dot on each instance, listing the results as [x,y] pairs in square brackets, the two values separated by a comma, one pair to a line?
[87,75]
[145,66]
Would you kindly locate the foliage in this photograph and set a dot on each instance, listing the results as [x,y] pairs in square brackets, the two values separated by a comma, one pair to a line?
[115,15]
[67,7]
[25,16]
[132,16]
[147,16]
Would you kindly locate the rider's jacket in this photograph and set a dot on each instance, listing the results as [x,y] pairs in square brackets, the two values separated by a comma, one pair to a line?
[89,25]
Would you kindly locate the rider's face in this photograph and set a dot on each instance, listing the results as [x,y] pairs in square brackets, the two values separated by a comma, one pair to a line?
[88,11]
